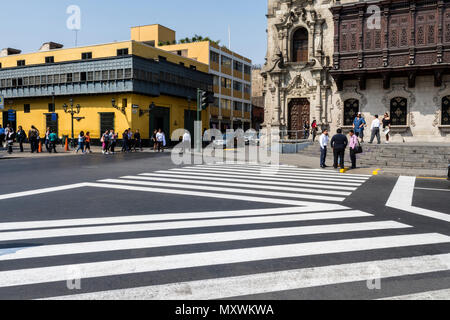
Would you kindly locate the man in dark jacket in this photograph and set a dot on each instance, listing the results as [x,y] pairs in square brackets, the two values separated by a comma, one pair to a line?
[339,143]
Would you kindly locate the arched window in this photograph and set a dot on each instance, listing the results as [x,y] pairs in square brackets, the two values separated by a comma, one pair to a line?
[300,46]
[445,111]
[399,111]
[351,109]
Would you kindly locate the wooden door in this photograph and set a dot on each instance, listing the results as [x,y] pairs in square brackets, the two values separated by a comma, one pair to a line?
[299,113]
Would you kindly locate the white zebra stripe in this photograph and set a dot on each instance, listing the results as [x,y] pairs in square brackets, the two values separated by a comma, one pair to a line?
[142,265]
[203,238]
[82,231]
[231,287]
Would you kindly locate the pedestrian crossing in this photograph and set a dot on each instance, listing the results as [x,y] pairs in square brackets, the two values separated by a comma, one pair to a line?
[301,235]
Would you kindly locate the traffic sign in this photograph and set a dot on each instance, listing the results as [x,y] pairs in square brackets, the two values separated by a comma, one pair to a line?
[2,102]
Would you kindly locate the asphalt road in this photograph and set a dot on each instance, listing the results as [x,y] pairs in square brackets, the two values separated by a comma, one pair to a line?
[214,232]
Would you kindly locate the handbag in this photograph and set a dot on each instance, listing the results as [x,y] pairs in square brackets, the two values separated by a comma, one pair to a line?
[358,148]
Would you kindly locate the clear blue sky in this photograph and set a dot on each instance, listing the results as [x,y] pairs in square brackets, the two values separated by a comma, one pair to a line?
[28,24]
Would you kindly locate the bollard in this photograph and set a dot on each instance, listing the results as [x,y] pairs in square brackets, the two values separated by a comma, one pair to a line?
[66,147]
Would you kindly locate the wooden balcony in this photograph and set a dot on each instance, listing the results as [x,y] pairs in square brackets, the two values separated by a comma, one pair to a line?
[407,43]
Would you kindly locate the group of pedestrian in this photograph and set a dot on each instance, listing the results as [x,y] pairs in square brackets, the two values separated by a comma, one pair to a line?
[359,125]
[130,142]
[340,142]
[7,136]
[310,130]
[159,140]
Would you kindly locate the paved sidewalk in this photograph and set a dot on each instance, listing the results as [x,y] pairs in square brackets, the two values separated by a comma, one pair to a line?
[60,152]
[314,163]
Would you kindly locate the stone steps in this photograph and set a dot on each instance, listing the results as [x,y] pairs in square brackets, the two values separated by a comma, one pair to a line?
[395,156]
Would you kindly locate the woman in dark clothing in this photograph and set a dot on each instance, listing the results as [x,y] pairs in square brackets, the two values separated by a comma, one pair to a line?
[155,142]
[125,141]
[137,140]
[21,138]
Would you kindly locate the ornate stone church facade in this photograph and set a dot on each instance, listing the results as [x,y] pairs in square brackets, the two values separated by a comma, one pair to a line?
[328,60]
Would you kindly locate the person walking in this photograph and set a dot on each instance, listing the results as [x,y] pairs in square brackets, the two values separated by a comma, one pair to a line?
[81,141]
[2,136]
[376,124]
[155,142]
[137,140]
[112,142]
[387,126]
[358,126]
[323,141]
[161,138]
[314,130]
[131,141]
[53,139]
[339,143]
[21,137]
[47,140]
[9,136]
[105,142]
[87,146]
[353,146]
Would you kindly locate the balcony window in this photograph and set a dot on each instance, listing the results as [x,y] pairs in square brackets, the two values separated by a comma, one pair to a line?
[399,111]
[445,111]
[351,109]
[300,45]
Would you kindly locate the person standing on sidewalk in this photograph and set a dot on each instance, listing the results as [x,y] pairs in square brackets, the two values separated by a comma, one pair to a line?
[161,138]
[376,124]
[137,141]
[112,142]
[105,142]
[53,139]
[33,136]
[47,140]
[9,133]
[358,126]
[353,145]
[339,143]
[125,141]
[2,136]
[21,137]
[323,140]
[306,129]
[387,126]
[155,142]
[87,147]
[314,130]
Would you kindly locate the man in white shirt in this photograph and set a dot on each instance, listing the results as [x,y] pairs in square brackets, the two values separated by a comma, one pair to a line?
[376,124]
[323,140]
[186,142]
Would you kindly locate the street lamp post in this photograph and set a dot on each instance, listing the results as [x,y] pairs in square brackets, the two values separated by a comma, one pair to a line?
[72,112]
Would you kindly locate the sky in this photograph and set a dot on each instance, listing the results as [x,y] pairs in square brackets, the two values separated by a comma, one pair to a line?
[26,24]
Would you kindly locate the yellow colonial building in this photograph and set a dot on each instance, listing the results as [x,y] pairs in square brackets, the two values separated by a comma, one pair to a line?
[231,74]
[120,85]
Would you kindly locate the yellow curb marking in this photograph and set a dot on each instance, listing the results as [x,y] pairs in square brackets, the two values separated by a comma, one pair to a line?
[376,172]
[431,178]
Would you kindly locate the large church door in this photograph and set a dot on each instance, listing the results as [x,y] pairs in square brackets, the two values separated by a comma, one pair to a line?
[299,113]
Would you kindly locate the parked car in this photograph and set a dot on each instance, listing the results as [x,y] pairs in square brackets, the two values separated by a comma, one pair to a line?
[251,138]
[223,143]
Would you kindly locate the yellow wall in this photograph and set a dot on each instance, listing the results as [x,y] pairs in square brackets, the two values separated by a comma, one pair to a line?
[197,50]
[154,32]
[100,51]
[91,106]
[145,51]
[61,55]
